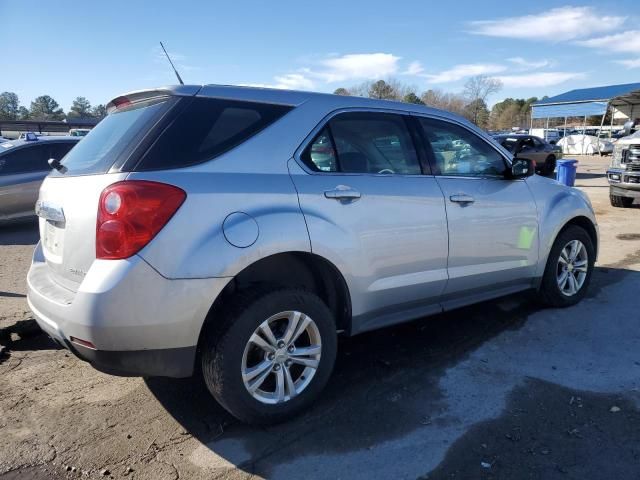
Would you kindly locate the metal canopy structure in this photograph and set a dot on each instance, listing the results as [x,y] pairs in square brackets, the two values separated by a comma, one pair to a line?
[623,100]
[591,101]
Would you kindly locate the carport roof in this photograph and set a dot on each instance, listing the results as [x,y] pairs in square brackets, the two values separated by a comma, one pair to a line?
[587,101]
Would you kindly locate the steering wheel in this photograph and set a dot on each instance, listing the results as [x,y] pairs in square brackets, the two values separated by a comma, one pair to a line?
[386,170]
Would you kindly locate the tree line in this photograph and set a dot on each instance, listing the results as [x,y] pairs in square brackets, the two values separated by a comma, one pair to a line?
[471,103]
[45,107]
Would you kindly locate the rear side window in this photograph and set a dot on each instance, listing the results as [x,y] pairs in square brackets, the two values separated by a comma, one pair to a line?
[364,142]
[113,137]
[59,150]
[25,160]
[205,129]
[33,158]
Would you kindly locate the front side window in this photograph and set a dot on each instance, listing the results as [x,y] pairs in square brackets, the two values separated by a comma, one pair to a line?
[364,142]
[466,155]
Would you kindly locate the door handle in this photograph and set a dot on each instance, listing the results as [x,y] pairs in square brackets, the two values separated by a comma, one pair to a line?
[342,192]
[462,198]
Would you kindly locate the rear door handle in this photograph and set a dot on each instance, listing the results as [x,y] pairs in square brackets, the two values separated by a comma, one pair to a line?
[342,192]
[462,198]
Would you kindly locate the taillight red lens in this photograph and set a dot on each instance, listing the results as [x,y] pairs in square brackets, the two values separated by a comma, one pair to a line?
[131,213]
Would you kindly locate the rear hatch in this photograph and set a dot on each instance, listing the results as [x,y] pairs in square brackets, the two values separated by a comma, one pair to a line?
[68,199]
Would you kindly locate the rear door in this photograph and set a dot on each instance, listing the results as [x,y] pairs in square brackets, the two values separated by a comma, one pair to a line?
[492,221]
[372,211]
[21,173]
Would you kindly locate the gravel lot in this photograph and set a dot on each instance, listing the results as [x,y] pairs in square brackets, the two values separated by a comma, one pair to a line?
[500,390]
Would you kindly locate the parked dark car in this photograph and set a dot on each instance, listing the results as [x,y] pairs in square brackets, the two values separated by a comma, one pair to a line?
[534,148]
[23,166]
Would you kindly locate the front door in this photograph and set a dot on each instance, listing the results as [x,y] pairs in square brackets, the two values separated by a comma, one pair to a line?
[493,227]
[372,211]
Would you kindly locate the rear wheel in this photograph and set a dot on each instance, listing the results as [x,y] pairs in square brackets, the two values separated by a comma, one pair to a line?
[549,166]
[569,268]
[272,357]
[622,202]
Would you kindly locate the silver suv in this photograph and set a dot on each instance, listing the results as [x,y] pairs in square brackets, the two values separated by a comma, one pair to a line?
[235,231]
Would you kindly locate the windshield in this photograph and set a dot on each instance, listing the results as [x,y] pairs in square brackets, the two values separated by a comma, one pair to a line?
[111,138]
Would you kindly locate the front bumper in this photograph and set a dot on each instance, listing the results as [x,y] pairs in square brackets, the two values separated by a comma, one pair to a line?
[623,182]
[141,323]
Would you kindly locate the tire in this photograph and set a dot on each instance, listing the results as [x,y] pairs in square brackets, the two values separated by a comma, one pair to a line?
[549,166]
[227,353]
[550,293]
[621,202]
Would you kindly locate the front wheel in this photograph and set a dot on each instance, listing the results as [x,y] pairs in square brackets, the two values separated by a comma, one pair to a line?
[569,268]
[273,355]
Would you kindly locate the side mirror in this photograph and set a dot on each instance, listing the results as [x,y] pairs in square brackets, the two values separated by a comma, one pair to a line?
[522,168]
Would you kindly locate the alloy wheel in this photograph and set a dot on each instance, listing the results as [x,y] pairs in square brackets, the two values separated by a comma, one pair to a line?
[281,357]
[573,265]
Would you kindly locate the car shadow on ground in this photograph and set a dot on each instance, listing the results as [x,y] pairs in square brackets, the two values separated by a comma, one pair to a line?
[395,370]
[20,232]
[588,176]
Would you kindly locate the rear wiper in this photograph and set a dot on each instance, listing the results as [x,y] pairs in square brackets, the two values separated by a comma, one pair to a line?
[55,163]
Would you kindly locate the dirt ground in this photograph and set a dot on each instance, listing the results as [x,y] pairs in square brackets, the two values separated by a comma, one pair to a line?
[504,389]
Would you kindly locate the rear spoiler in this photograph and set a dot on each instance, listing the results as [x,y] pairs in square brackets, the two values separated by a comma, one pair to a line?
[141,95]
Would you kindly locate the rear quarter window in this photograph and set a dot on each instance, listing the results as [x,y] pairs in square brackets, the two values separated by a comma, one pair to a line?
[205,128]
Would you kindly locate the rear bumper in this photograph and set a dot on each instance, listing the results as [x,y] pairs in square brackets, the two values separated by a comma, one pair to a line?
[142,324]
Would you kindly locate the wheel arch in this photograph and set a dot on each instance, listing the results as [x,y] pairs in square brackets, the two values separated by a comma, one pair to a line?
[291,269]
[586,224]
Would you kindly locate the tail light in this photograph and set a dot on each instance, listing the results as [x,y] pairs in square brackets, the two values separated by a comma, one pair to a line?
[131,213]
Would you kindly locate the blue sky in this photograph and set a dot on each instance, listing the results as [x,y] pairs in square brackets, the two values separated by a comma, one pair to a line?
[101,49]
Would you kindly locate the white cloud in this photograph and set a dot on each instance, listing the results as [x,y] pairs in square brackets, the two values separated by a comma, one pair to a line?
[630,63]
[557,24]
[355,66]
[462,71]
[624,42]
[294,81]
[415,68]
[540,79]
[528,64]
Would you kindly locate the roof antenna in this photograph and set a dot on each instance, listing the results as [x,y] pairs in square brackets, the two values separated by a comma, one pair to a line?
[172,66]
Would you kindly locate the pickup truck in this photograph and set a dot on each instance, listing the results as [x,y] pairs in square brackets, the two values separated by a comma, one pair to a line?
[624,171]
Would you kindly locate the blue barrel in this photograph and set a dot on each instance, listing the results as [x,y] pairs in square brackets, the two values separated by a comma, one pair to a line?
[567,172]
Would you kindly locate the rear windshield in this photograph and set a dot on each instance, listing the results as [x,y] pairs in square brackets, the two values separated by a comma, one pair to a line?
[205,128]
[113,137]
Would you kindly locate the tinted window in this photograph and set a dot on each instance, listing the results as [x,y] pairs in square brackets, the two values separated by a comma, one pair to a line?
[59,149]
[510,143]
[364,143]
[112,137]
[32,158]
[206,128]
[466,155]
[527,144]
